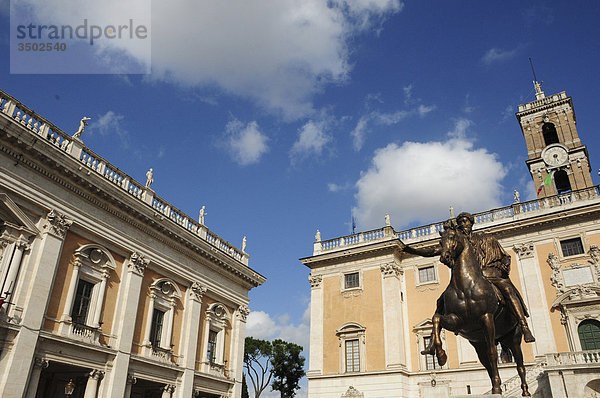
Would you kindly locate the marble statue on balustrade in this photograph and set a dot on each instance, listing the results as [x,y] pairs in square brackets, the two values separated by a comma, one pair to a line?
[202,214]
[388,222]
[244,244]
[480,288]
[82,124]
[318,236]
[149,178]
[517,196]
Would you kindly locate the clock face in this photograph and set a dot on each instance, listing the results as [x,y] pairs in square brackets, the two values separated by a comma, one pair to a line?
[555,155]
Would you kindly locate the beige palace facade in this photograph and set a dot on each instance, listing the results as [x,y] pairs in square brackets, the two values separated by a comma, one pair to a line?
[108,288]
[371,304]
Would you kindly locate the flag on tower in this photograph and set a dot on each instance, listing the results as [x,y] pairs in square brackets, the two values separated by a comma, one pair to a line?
[547,181]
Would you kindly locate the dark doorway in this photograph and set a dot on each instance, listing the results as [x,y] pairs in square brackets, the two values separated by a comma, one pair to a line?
[54,379]
[146,389]
[550,134]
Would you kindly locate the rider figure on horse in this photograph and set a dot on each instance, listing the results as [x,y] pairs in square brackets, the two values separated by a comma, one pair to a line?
[495,265]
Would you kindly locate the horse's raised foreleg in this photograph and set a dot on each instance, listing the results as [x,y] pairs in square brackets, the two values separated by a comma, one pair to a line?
[513,341]
[439,321]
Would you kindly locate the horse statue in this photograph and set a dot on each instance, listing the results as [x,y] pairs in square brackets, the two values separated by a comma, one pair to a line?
[473,308]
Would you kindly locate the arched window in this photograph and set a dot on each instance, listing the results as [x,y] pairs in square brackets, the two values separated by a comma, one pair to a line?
[550,134]
[561,179]
[589,334]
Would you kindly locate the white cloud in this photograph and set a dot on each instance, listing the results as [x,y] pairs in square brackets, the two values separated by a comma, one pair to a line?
[423,110]
[312,139]
[496,55]
[417,182]
[362,129]
[359,132]
[261,325]
[333,187]
[277,53]
[107,124]
[246,144]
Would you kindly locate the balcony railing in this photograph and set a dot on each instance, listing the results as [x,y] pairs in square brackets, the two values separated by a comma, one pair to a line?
[516,211]
[585,358]
[86,333]
[42,128]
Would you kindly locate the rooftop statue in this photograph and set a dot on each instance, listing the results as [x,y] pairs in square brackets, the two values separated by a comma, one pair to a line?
[480,303]
[82,124]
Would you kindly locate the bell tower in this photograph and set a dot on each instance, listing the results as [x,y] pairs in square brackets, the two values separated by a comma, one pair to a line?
[553,145]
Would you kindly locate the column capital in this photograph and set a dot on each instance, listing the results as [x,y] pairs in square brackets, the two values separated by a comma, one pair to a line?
[41,363]
[170,388]
[315,281]
[57,223]
[390,270]
[242,312]
[131,379]
[197,291]
[96,374]
[138,263]
[524,250]
[22,244]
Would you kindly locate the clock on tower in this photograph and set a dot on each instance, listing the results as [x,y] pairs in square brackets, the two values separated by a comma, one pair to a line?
[553,144]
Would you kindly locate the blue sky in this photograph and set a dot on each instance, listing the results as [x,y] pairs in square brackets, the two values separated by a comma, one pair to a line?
[282,117]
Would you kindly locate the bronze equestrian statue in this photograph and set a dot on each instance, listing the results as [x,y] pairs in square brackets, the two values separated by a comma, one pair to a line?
[480,303]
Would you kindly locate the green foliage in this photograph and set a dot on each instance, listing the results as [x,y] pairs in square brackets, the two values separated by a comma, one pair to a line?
[287,367]
[279,361]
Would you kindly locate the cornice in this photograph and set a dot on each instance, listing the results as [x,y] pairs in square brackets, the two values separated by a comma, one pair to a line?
[391,246]
[40,156]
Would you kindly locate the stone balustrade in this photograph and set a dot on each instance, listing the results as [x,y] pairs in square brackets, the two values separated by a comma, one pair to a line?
[543,101]
[584,358]
[37,125]
[19,113]
[516,211]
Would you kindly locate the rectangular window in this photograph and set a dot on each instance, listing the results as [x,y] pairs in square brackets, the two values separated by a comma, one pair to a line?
[157,325]
[352,356]
[351,280]
[83,297]
[430,360]
[427,274]
[211,352]
[571,247]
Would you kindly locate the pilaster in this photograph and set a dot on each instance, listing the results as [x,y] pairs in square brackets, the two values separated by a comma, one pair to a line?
[189,337]
[39,275]
[124,324]
[315,366]
[393,319]
[535,298]
[237,348]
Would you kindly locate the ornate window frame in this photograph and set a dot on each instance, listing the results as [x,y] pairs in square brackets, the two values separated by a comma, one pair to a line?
[359,288]
[94,264]
[577,291]
[217,319]
[436,279]
[164,294]
[352,331]
[584,243]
